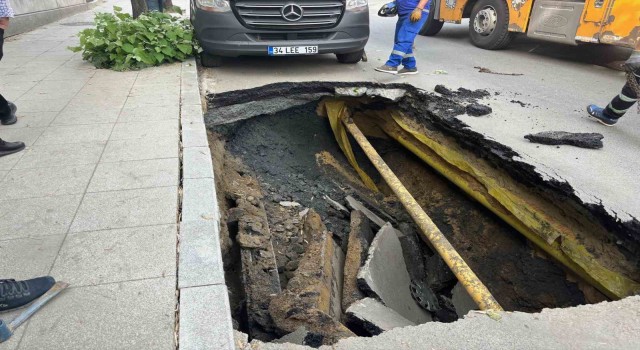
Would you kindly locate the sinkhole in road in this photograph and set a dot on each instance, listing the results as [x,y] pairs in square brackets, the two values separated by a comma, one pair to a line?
[313,254]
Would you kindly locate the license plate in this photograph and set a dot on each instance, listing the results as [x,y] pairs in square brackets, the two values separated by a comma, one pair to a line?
[292,50]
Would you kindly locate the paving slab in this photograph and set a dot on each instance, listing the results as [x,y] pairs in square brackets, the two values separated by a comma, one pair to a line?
[126,315]
[78,116]
[43,182]
[146,129]
[26,135]
[35,217]
[150,113]
[127,208]
[99,257]
[133,149]
[60,155]
[135,174]
[28,257]
[94,198]
[55,135]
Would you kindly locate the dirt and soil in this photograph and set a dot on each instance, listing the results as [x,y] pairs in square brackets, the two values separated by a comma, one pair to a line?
[291,162]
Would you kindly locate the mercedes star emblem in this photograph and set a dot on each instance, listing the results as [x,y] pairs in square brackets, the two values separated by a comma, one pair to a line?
[291,12]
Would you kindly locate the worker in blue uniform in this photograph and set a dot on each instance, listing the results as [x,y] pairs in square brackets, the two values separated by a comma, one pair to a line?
[412,14]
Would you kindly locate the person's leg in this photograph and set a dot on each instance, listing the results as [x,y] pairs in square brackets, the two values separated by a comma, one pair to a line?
[623,102]
[408,36]
[617,107]
[395,59]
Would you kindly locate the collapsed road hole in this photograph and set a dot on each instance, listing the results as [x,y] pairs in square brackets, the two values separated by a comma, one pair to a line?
[313,255]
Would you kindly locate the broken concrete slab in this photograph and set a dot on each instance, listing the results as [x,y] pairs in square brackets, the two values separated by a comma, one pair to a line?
[414,259]
[582,140]
[387,93]
[461,300]
[390,282]
[301,337]
[370,317]
[478,110]
[439,276]
[356,205]
[260,278]
[314,293]
[360,237]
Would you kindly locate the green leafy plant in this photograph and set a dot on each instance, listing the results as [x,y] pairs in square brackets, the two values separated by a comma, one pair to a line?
[120,42]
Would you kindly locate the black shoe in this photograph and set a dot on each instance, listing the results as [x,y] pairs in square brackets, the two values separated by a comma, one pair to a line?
[11,119]
[14,294]
[7,148]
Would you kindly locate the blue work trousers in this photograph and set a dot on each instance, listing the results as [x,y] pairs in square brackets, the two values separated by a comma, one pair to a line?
[406,32]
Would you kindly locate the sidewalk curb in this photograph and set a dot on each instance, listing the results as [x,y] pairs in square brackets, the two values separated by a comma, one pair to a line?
[205,315]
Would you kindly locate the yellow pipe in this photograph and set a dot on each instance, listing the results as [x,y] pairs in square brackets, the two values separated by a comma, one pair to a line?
[470,281]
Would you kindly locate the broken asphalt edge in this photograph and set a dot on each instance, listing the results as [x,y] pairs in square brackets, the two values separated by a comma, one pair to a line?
[442,117]
[204,313]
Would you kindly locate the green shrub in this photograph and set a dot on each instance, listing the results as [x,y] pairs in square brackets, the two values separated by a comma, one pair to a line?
[120,42]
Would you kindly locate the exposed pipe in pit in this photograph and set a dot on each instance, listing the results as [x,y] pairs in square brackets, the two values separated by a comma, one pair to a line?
[469,280]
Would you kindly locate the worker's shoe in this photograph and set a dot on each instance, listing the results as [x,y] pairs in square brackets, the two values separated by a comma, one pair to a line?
[387,69]
[14,294]
[11,118]
[599,114]
[408,71]
[7,148]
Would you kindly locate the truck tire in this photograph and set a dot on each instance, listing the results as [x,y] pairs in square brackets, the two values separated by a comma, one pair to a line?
[350,58]
[210,61]
[432,26]
[489,25]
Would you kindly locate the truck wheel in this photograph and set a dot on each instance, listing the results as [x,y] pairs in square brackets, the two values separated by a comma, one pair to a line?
[210,61]
[350,58]
[489,24]
[432,26]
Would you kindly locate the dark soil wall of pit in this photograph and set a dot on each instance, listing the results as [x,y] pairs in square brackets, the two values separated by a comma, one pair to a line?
[281,151]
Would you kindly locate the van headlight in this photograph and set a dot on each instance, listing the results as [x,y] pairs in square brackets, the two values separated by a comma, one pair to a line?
[214,5]
[357,5]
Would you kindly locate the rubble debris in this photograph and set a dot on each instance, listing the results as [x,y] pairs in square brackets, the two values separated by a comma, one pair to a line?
[443,90]
[424,296]
[462,93]
[301,336]
[582,140]
[478,110]
[313,296]
[368,317]
[390,282]
[522,104]
[260,278]
[356,205]
[335,204]
[461,300]
[288,204]
[489,71]
[414,259]
[439,276]
[360,237]
[386,93]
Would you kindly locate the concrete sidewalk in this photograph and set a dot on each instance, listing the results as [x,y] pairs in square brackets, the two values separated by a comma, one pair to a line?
[94,199]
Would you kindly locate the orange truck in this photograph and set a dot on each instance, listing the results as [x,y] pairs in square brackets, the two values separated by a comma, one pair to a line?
[493,23]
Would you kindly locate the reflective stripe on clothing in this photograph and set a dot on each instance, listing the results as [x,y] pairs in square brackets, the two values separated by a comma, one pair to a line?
[623,102]
[406,32]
